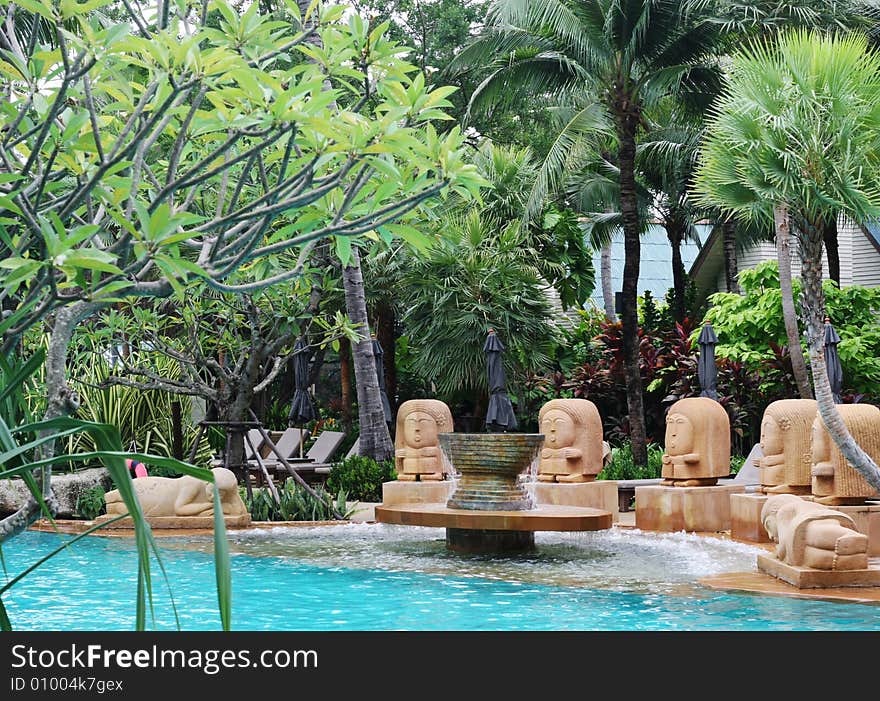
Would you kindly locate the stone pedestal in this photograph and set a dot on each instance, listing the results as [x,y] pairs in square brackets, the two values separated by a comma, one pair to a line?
[745,518]
[867,520]
[808,578]
[701,509]
[599,494]
[403,492]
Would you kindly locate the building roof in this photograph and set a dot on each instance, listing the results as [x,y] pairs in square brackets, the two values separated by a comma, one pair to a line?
[655,268]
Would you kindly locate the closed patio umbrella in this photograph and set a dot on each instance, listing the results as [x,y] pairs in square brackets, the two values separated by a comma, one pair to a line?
[500,416]
[832,361]
[707,371]
[302,409]
[380,376]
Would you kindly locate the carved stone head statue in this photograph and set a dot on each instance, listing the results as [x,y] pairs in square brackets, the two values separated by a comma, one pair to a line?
[785,441]
[834,481]
[697,445]
[572,450]
[416,446]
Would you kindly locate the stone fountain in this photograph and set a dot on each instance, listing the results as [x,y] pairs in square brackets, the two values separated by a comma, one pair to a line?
[490,510]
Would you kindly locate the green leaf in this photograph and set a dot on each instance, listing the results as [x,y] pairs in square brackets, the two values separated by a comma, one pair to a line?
[343,249]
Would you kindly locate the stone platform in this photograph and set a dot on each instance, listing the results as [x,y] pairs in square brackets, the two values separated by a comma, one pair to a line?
[176,522]
[599,494]
[671,509]
[809,578]
[745,519]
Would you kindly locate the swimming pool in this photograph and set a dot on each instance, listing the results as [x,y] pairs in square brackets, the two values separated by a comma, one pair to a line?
[378,577]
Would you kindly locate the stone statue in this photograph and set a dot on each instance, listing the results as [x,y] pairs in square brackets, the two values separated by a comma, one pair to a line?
[697,443]
[835,482]
[785,441]
[573,450]
[417,453]
[813,535]
[181,496]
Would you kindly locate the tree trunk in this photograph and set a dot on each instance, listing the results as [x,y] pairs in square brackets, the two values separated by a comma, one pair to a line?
[607,287]
[627,124]
[829,235]
[789,316]
[675,231]
[387,337]
[731,268]
[814,311]
[345,382]
[375,440]
[176,430]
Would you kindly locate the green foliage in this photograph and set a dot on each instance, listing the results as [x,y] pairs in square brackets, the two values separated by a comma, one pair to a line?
[750,326]
[622,466]
[90,503]
[361,478]
[295,504]
[736,463]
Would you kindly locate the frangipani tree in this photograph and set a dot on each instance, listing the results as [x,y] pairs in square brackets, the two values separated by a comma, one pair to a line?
[144,146]
[797,134]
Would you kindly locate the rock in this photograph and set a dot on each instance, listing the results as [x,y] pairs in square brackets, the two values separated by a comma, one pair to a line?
[66,487]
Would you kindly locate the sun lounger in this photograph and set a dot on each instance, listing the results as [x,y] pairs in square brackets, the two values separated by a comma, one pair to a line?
[325,469]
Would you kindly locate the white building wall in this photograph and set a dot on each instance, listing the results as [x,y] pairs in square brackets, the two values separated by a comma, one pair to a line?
[847,232]
[865,261]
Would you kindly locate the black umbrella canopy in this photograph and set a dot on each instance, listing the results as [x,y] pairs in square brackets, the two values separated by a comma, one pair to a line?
[302,410]
[380,375]
[832,361]
[500,416]
[707,371]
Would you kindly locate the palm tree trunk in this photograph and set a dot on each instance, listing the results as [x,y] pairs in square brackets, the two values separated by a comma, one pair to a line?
[675,230]
[829,234]
[789,316]
[627,124]
[607,288]
[814,310]
[375,440]
[731,271]
[345,381]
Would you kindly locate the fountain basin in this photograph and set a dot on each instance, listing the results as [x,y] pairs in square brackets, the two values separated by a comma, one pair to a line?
[490,464]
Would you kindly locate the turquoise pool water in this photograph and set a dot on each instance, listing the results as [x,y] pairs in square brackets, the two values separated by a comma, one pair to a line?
[376,577]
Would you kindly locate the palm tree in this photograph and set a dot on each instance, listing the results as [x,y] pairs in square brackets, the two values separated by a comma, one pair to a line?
[629,54]
[797,135]
[481,275]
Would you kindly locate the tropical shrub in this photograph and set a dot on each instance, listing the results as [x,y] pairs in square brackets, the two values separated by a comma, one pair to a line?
[750,329]
[623,467]
[90,503]
[294,504]
[361,478]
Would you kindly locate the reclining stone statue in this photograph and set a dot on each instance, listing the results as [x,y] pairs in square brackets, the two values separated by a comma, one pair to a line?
[573,446]
[181,496]
[813,535]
